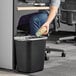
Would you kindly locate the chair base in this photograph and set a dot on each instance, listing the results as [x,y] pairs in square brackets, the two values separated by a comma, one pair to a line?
[65,39]
[48,49]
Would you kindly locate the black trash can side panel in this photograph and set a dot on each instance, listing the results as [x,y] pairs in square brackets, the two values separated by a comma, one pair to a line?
[30,55]
[23,60]
[37,55]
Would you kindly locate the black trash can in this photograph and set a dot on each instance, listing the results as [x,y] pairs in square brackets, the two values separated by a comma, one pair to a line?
[30,53]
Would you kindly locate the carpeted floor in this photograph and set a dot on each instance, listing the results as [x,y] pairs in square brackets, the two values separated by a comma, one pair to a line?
[57,65]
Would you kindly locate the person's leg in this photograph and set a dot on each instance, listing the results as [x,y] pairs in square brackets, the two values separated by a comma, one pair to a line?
[36,21]
[23,23]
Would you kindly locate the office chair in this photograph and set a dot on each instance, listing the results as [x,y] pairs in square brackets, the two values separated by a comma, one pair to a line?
[68,16]
[56,24]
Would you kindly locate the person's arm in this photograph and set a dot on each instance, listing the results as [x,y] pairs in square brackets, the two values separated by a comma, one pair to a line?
[53,11]
[52,14]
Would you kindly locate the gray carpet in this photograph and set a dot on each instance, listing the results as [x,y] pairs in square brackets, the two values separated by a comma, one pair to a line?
[57,65]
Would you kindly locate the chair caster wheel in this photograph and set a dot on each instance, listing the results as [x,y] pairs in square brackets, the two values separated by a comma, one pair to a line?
[63,54]
[46,58]
[58,42]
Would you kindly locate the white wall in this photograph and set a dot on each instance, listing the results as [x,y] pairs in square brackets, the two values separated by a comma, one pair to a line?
[6,14]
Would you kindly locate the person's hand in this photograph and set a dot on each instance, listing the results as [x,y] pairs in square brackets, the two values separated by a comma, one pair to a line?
[47,28]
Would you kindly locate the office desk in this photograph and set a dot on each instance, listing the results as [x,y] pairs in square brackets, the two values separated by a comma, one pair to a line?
[33,8]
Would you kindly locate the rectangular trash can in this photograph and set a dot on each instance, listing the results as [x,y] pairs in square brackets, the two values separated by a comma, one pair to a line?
[30,53]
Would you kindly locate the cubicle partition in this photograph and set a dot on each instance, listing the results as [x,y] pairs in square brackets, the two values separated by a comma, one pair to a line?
[6,34]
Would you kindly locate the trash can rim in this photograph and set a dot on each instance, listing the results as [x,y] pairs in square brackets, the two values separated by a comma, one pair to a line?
[29,38]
